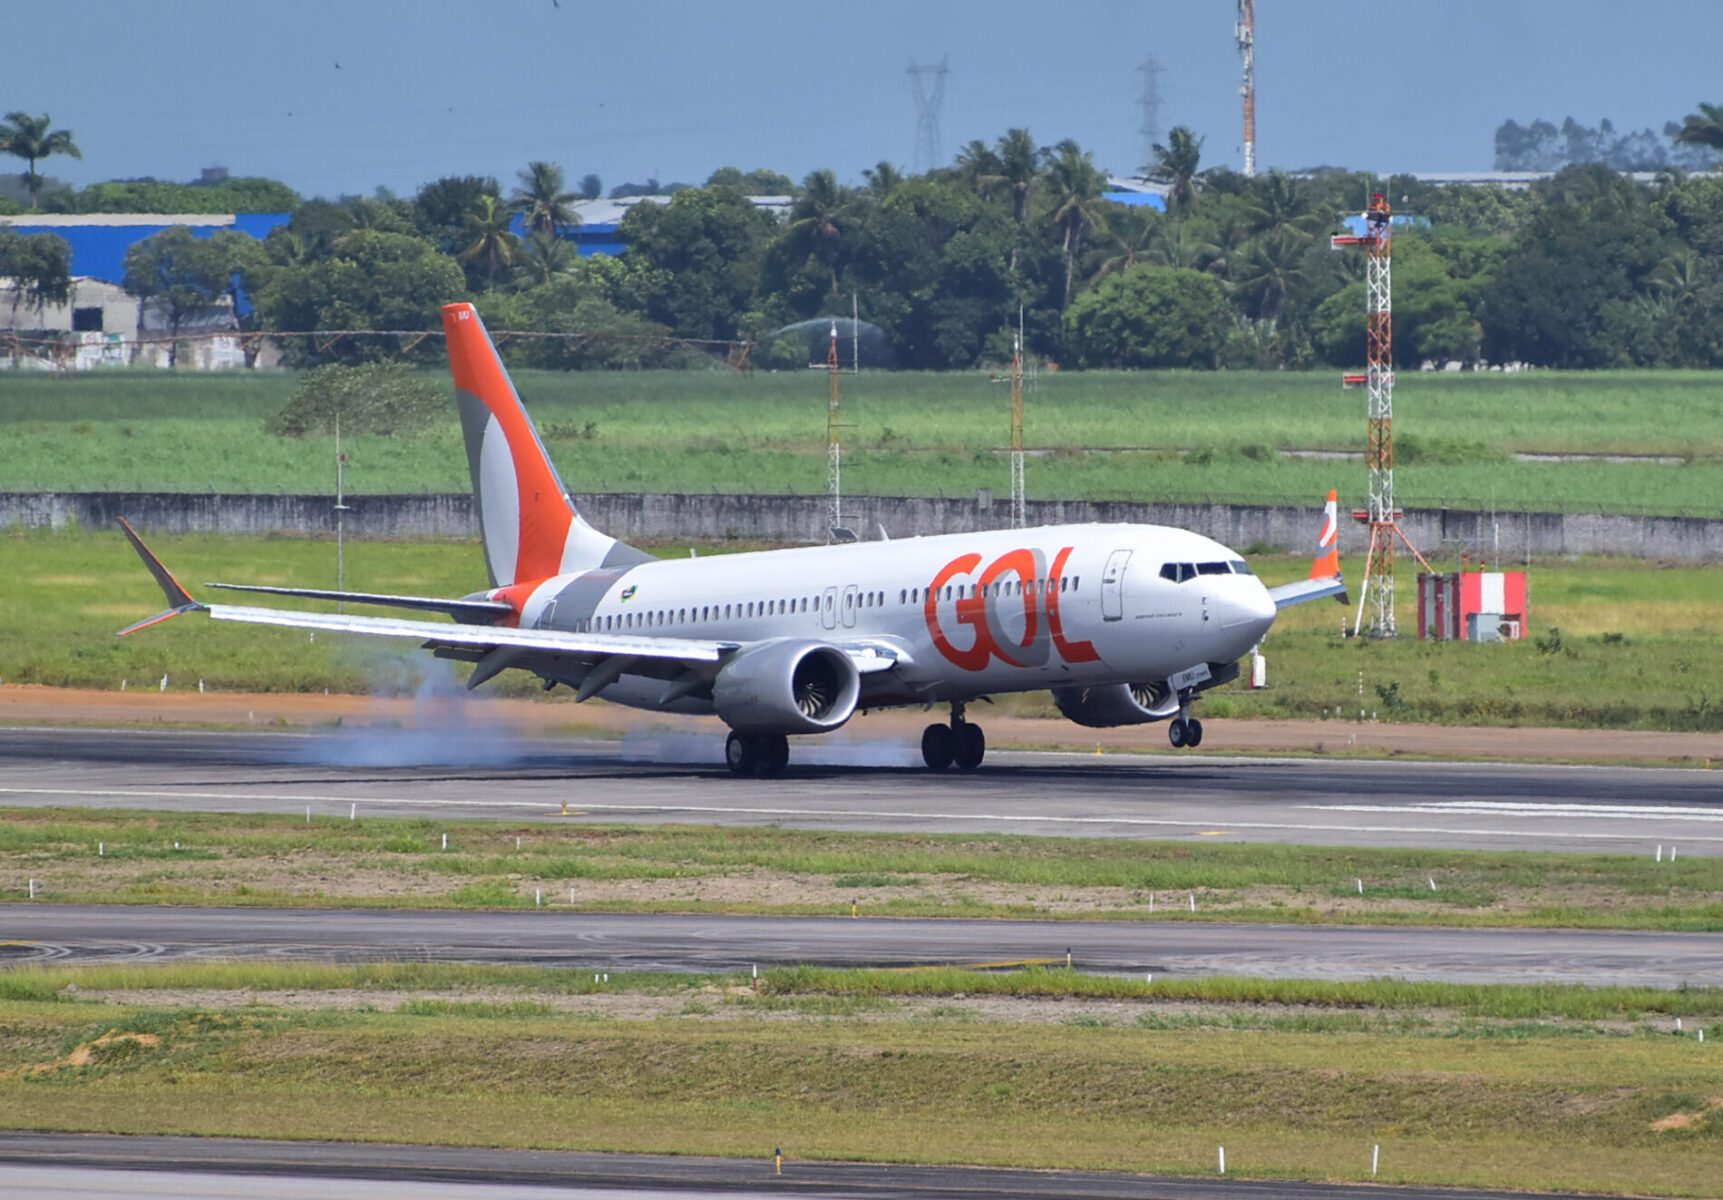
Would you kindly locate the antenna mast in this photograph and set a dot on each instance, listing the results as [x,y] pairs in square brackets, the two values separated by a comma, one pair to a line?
[1382,516]
[927,85]
[1245,33]
[1019,514]
[834,450]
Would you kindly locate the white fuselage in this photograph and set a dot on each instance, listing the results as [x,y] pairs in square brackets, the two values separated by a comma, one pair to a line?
[965,615]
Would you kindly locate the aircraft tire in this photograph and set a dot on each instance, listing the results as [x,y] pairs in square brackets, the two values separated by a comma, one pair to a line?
[774,754]
[971,746]
[1177,733]
[938,747]
[741,754]
[1193,733]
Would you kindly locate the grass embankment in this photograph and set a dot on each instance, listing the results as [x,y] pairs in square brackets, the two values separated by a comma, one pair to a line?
[1109,435]
[1635,647]
[276,860]
[1533,1088]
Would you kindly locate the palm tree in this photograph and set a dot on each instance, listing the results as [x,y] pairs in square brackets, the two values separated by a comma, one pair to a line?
[881,178]
[540,198]
[1076,184]
[1129,232]
[1176,163]
[1017,161]
[1272,270]
[1179,246]
[30,139]
[818,218]
[491,242]
[1703,128]
[545,257]
[1278,201]
[978,167]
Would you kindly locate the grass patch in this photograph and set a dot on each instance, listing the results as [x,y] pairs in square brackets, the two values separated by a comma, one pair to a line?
[914,434]
[279,859]
[1520,1110]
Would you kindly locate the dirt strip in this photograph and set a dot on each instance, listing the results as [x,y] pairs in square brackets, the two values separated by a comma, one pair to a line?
[37,705]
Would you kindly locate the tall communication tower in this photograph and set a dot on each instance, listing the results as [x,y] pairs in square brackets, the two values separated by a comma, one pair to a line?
[834,447]
[927,85]
[1019,502]
[1382,516]
[1245,33]
[1149,100]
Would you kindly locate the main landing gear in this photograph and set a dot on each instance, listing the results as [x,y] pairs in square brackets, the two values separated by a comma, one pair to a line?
[763,753]
[959,742]
[1185,732]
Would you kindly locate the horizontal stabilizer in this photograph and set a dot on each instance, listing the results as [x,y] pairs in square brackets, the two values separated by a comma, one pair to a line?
[476,610]
[1306,590]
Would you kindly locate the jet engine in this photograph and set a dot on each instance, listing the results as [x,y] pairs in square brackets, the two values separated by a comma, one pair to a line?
[1132,703]
[787,686]
[1117,704]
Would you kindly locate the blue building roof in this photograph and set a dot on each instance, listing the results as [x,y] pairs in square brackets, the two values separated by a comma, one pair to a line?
[99,241]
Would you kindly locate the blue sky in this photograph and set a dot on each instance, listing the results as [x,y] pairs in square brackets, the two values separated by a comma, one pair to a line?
[673,89]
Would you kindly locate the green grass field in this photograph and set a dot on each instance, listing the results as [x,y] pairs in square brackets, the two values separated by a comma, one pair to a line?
[137,857]
[1637,640]
[1109,435]
[1535,1088]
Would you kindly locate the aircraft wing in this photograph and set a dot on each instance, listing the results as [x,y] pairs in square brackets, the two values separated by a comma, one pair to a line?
[476,610]
[1306,590]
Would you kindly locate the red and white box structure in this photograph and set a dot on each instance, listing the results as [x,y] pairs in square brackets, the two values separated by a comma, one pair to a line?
[1473,606]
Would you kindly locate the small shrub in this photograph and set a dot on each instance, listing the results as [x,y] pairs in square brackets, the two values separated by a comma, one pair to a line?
[379,398]
[1549,643]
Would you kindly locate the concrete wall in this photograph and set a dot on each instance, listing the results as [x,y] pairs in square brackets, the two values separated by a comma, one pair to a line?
[1439,533]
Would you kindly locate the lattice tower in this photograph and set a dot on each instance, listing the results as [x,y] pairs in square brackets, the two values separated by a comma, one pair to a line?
[1019,502]
[834,444]
[1149,100]
[1382,514]
[927,85]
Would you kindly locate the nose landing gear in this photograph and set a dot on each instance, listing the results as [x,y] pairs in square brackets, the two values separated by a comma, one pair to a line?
[1185,732]
[959,742]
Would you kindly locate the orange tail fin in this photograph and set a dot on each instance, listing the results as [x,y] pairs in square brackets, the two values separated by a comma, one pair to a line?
[1326,564]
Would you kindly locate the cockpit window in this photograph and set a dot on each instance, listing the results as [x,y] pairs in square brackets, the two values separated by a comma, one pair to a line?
[1213,568]
[1240,567]
[1178,572]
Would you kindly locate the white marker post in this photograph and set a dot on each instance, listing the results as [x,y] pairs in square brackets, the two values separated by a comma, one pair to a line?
[32,889]
[1432,883]
[571,895]
[517,843]
[445,841]
[353,813]
[1193,901]
[1223,1160]
[308,814]
[101,849]
[1360,887]
[1660,853]
[1375,1157]
[1151,902]
[538,897]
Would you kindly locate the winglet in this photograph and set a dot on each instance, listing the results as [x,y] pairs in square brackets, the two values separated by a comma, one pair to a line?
[179,600]
[1326,564]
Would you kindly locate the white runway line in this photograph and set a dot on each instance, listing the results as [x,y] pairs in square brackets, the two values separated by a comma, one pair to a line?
[1534,808]
[543,805]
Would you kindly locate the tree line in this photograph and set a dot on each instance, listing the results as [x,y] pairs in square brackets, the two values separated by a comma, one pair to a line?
[1585,269]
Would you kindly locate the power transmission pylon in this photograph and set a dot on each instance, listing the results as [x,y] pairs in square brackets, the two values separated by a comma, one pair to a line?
[927,85]
[1149,100]
[1245,33]
[1382,516]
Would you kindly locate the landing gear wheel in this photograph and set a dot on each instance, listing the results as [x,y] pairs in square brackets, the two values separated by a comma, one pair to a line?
[971,746]
[1193,733]
[741,754]
[774,753]
[938,747]
[1178,733]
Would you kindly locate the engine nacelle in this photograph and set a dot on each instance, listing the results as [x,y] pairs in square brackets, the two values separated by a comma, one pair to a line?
[1134,703]
[1117,704]
[787,686]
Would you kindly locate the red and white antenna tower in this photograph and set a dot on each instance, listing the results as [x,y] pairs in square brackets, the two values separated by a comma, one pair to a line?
[1382,516]
[1245,33]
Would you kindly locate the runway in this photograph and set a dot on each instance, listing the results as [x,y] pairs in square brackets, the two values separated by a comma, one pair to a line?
[672,942]
[98,1165]
[859,785]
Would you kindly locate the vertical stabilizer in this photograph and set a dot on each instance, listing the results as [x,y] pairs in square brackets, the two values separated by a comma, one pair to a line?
[530,526]
[1326,564]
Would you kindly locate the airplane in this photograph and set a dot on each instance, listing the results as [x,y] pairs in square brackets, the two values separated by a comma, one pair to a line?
[1124,624]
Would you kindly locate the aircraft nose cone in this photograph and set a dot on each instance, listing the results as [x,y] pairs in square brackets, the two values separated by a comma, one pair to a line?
[1247,611]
